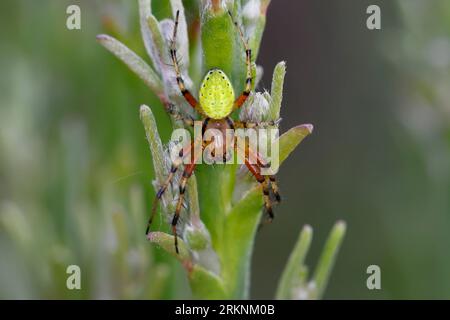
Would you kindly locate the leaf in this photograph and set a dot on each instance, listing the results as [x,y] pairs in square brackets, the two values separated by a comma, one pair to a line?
[276,91]
[156,148]
[291,139]
[134,62]
[145,12]
[328,257]
[154,141]
[205,284]
[159,47]
[166,242]
[292,274]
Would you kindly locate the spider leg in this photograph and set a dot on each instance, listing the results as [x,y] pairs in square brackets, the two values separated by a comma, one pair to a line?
[270,180]
[255,170]
[275,189]
[175,165]
[173,54]
[250,125]
[188,170]
[248,60]
[187,173]
[268,183]
[252,155]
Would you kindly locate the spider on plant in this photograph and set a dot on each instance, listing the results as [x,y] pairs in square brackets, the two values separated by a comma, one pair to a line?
[216,103]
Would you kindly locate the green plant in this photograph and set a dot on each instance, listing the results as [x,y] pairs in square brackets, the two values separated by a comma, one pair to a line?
[223,204]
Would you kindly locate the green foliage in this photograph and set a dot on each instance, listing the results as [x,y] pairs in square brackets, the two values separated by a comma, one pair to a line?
[294,282]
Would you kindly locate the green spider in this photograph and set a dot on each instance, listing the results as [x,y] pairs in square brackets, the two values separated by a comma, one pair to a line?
[216,103]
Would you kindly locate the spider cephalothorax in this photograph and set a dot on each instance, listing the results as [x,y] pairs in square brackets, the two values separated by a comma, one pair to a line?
[216,102]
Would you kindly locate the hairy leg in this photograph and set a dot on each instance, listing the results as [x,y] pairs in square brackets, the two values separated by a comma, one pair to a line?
[173,54]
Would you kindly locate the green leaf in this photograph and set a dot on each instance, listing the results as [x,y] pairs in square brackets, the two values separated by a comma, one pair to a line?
[276,91]
[205,284]
[159,46]
[328,257]
[145,12]
[156,148]
[154,141]
[134,62]
[166,242]
[291,139]
[293,272]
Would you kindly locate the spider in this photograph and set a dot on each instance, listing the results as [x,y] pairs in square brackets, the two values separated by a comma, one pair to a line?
[216,103]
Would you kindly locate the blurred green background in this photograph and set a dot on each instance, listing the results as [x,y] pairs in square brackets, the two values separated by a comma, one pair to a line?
[75,169]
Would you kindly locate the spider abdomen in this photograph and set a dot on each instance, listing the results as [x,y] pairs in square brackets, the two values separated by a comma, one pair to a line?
[216,95]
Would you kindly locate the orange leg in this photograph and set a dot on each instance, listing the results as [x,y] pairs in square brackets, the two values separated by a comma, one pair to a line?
[173,54]
[255,170]
[268,183]
[188,170]
[185,152]
[251,125]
